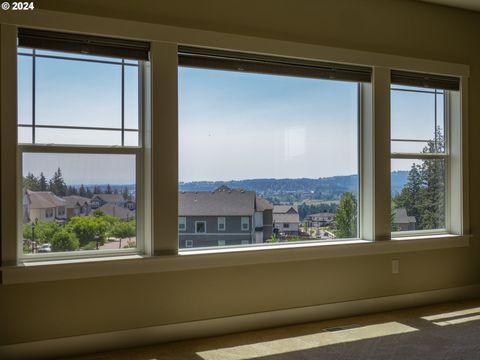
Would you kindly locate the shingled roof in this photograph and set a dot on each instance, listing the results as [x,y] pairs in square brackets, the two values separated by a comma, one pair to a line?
[44,200]
[400,217]
[220,202]
[74,200]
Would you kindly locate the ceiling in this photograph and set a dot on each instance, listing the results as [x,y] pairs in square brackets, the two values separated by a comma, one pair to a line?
[463,4]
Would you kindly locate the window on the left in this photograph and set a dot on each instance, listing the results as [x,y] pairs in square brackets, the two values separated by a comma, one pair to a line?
[80,147]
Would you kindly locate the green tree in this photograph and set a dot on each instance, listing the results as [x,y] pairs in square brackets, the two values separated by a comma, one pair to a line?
[57,184]
[64,241]
[31,182]
[45,231]
[123,229]
[97,189]
[126,194]
[108,190]
[88,229]
[82,192]
[424,194]
[43,182]
[433,175]
[346,217]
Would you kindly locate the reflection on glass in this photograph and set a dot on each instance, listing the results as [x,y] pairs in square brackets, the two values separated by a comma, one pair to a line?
[265,159]
[418,194]
[78,202]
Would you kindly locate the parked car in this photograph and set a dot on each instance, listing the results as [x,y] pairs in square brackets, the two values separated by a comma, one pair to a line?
[44,248]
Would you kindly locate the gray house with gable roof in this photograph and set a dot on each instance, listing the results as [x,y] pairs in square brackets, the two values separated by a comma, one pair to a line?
[223,217]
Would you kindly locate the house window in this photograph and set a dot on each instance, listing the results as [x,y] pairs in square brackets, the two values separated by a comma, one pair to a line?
[420,156]
[49,213]
[286,225]
[79,134]
[221,223]
[188,243]
[274,119]
[245,223]
[182,223]
[245,242]
[200,227]
[221,242]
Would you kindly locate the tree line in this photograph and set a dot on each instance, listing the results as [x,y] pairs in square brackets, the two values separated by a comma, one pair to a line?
[57,185]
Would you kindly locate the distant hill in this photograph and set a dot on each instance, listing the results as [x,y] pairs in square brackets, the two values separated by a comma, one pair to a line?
[288,190]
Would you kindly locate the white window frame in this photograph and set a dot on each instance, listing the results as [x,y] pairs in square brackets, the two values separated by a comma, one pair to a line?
[448,98]
[221,220]
[188,243]
[161,179]
[244,221]
[142,245]
[182,220]
[221,243]
[204,226]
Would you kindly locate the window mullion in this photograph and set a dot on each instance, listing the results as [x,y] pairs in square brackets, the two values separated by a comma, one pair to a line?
[381,154]
[164,151]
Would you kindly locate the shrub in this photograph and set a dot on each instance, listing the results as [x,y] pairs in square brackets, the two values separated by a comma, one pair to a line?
[64,241]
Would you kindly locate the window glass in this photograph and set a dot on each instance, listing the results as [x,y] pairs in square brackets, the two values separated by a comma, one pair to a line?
[417,119]
[418,194]
[418,185]
[55,185]
[84,198]
[275,148]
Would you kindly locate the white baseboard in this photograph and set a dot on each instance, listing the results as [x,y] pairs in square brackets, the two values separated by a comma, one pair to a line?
[76,345]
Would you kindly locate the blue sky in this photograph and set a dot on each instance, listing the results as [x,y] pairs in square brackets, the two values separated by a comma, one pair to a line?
[232,125]
[235,125]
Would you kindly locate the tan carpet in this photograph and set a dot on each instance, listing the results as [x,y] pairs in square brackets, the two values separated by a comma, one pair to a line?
[446,331]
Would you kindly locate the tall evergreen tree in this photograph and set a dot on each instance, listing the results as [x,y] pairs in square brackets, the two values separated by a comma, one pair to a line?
[43,182]
[57,184]
[89,193]
[82,192]
[31,182]
[108,190]
[97,189]
[346,217]
[126,193]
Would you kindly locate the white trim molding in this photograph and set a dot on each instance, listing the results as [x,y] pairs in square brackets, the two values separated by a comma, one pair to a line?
[83,344]
[190,259]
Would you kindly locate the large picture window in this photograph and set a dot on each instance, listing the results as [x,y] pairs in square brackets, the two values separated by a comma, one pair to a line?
[80,148]
[267,146]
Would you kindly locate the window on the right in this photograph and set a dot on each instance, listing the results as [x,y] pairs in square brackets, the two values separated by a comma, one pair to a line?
[419,158]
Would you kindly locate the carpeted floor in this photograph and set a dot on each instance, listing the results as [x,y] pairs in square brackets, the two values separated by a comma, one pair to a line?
[446,331]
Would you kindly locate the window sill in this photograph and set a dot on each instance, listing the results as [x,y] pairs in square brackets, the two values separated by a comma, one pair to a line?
[213,258]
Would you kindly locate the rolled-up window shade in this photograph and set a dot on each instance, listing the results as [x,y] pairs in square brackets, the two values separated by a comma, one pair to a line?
[233,61]
[83,44]
[425,80]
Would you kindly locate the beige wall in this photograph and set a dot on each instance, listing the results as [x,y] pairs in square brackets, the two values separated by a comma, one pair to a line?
[64,308]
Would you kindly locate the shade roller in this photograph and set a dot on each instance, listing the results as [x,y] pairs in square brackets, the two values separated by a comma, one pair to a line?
[425,80]
[83,44]
[233,61]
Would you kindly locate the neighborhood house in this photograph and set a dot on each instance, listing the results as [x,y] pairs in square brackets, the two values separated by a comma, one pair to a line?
[286,219]
[223,217]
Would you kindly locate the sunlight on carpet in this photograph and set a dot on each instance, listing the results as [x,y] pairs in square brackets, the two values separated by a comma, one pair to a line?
[276,347]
